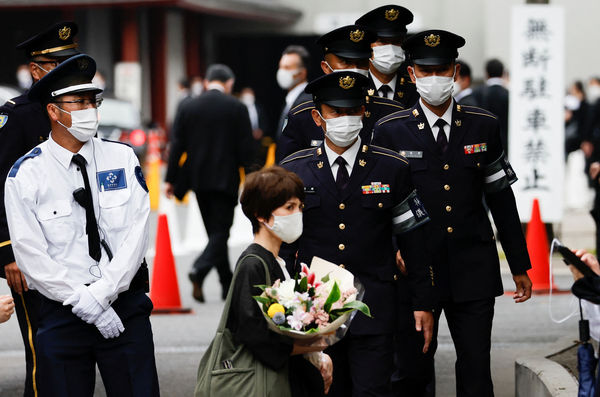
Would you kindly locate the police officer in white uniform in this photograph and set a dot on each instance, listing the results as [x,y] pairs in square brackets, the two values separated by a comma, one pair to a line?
[77,211]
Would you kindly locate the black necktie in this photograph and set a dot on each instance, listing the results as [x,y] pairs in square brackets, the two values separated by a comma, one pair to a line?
[91,228]
[442,141]
[384,90]
[341,180]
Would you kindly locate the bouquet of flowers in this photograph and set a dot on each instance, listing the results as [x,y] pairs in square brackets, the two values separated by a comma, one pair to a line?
[316,302]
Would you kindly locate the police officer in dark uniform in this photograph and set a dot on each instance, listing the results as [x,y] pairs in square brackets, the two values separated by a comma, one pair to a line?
[358,197]
[23,125]
[456,158]
[346,48]
[388,73]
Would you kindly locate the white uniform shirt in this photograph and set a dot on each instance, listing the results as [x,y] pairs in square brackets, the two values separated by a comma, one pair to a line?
[47,225]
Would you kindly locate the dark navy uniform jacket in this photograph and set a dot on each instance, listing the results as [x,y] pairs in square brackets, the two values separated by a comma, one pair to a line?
[452,186]
[301,132]
[23,126]
[405,91]
[355,228]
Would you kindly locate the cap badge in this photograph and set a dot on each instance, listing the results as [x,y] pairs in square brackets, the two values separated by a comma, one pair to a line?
[391,14]
[82,63]
[432,40]
[357,35]
[347,82]
[64,33]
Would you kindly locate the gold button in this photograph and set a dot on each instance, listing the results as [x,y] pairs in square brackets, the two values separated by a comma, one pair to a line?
[478,165]
[446,187]
[341,247]
[342,266]
[448,208]
[450,230]
[342,206]
[380,205]
[342,226]
[395,277]
[446,166]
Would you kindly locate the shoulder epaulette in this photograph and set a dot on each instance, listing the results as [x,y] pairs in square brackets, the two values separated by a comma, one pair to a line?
[393,116]
[477,111]
[119,142]
[386,102]
[300,154]
[388,152]
[15,168]
[302,105]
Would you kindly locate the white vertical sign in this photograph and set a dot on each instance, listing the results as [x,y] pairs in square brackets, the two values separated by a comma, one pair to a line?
[536,125]
[128,82]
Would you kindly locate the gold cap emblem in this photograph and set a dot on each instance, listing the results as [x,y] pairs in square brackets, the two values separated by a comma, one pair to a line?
[391,14]
[347,82]
[357,35]
[64,33]
[432,40]
[82,63]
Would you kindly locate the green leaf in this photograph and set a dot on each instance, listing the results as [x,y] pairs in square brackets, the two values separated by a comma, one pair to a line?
[262,286]
[333,297]
[360,306]
[263,300]
[325,278]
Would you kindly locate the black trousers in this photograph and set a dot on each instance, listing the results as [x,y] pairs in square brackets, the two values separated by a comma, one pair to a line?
[216,209]
[27,307]
[470,325]
[362,366]
[69,349]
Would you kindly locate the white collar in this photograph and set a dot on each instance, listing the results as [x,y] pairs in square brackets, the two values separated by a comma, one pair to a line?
[495,81]
[432,117]
[215,86]
[378,84]
[64,156]
[349,155]
[294,93]
[463,93]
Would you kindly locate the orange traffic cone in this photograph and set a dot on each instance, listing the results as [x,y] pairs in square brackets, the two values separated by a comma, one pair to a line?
[164,291]
[537,246]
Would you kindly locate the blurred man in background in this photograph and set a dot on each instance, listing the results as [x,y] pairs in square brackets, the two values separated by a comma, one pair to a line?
[292,77]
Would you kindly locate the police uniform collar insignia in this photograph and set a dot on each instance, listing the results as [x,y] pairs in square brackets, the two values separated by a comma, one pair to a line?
[365,148]
[432,40]
[391,14]
[3,120]
[357,35]
[64,33]
[421,125]
[458,108]
[367,114]
[367,98]
[319,151]
[371,92]
[402,81]
[320,164]
[347,82]
[400,94]
[458,122]
[362,162]
[415,113]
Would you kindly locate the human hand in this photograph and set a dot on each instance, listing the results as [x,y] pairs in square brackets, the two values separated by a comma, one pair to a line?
[15,278]
[424,322]
[326,371]
[169,190]
[7,307]
[587,148]
[109,324]
[302,346]
[522,287]
[590,260]
[400,263]
[85,306]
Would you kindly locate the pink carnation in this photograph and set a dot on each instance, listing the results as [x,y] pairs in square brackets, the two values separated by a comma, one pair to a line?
[322,318]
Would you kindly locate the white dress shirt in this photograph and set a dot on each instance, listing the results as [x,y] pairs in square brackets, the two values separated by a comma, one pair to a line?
[293,94]
[47,226]
[391,84]
[349,155]
[432,118]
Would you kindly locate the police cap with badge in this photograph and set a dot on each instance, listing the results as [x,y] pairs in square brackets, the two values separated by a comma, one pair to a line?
[349,41]
[56,41]
[433,47]
[387,21]
[339,89]
[73,76]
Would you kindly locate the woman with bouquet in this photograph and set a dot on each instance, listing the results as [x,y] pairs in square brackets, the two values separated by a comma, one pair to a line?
[272,200]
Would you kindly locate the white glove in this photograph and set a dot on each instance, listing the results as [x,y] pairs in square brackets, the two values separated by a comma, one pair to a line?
[109,324]
[85,306]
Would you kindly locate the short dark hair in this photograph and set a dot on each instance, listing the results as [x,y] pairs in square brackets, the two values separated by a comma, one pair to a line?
[465,69]
[219,72]
[268,189]
[494,68]
[301,52]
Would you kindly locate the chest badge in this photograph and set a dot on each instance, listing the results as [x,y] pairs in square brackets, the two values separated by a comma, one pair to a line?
[458,123]
[477,148]
[3,120]
[320,164]
[111,180]
[421,126]
[362,162]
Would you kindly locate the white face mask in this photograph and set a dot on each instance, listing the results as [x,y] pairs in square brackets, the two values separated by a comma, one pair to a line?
[24,78]
[435,90]
[593,93]
[343,130]
[387,58]
[285,78]
[84,123]
[197,88]
[456,88]
[364,72]
[287,227]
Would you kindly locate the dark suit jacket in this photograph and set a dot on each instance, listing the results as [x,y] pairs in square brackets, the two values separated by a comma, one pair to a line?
[452,186]
[405,91]
[494,98]
[214,130]
[23,125]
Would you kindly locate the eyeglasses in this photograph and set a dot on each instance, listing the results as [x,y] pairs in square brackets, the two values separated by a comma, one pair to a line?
[84,102]
[51,63]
